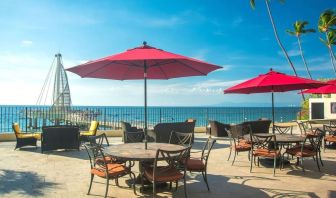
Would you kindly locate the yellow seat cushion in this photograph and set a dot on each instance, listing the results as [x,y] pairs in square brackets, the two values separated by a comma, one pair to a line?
[93,129]
[29,135]
[17,131]
[88,133]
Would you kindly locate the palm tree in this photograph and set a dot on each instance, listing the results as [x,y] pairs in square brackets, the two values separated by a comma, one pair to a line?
[252,3]
[299,29]
[325,25]
[331,40]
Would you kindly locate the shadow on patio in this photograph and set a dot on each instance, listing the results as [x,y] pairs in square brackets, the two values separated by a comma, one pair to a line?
[26,183]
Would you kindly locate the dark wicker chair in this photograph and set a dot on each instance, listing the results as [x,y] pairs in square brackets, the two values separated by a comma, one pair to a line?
[238,143]
[102,168]
[162,131]
[183,139]
[25,139]
[60,137]
[193,164]
[133,137]
[171,171]
[264,146]
[259,126]
[311,147]
[218,129]
[126,128]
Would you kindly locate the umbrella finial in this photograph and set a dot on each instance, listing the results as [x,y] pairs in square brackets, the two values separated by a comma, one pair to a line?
[144,43]
[271,69]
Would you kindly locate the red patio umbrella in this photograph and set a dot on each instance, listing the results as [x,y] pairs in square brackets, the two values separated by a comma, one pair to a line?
[273,82]
[144,62]
[327,89]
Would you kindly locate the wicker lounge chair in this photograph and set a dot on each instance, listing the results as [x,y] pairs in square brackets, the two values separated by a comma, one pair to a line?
[84,135]
[218,129]
[25,139]
[126,128]
[162,131]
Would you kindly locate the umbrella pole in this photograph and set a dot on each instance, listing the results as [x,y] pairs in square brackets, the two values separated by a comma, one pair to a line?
[273,112]
[145,89]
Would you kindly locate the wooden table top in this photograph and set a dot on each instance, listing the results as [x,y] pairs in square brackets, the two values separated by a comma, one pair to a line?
[137,151]
[281,138]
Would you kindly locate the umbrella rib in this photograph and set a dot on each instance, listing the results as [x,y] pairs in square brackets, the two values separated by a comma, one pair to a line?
[186,65]
[93,71]
[164,73]
[163,63]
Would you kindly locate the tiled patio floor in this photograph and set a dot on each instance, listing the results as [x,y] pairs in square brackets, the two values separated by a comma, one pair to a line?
[28,173]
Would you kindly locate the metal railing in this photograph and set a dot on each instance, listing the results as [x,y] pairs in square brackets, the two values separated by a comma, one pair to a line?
[32,118]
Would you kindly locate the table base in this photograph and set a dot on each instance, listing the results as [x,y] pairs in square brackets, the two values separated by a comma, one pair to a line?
[148,186]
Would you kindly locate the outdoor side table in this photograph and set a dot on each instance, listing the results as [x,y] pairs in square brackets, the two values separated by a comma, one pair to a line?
[137,152]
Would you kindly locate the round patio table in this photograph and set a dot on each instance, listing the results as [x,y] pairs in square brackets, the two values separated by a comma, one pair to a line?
[280,138]
[137,152]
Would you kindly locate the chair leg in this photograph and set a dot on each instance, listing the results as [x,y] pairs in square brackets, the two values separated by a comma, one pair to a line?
[92,175]
[107,186]
[205,177]
[248,156]
[234,157]
[274,165]
[185,187]
[132,176]
[318,166]
[229,153]
[176,186]
[251,163]
[320,157]
[302,164]
[154,189]
[117,181]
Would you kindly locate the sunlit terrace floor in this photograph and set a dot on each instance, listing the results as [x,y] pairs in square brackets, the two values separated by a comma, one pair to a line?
[28,173]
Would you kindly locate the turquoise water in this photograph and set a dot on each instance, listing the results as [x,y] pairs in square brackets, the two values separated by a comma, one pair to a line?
[33,117]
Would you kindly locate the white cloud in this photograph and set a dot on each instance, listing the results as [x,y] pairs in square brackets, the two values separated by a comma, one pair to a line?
[26,43]
[237,21]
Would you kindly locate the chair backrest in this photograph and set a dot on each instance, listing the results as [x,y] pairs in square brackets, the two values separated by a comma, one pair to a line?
[218,129]
[315,141]
[133,137]
[283,129]
[304,126]
[207,149]
[16,128]
[183,139]
[172,159]
[96,152]
[125,126]
[332,123]
[331,130]
[264,141]
[94,127]
[98,140]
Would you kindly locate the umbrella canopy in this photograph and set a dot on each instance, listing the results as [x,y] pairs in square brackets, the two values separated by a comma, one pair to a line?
[327,89]
[273,82]
[141,63]
[130,65]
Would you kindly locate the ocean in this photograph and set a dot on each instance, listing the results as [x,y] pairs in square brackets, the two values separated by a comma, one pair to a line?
[32,118]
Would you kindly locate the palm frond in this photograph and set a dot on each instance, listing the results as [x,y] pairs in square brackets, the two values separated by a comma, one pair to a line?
[252,4]
[323,41]
[290,32]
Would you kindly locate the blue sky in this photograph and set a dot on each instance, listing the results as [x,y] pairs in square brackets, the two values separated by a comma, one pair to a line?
[228,33]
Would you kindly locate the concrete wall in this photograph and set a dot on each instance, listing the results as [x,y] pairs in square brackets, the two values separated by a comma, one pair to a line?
[327,106]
